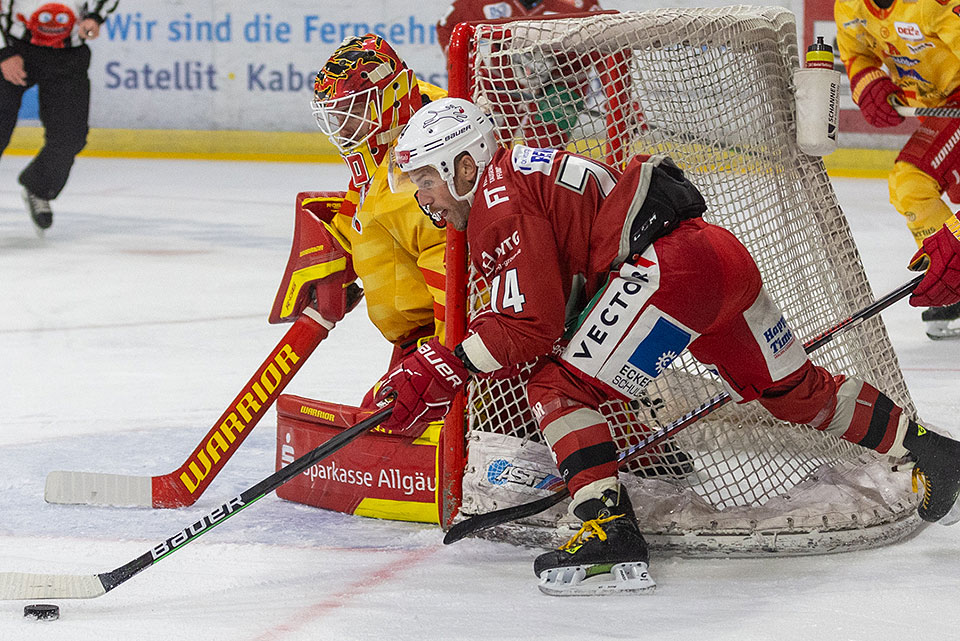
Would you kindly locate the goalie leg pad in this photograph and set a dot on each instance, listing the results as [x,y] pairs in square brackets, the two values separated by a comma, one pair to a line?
[597,580]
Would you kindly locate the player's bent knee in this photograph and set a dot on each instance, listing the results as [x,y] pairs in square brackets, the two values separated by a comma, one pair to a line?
[807,396]
[917,195]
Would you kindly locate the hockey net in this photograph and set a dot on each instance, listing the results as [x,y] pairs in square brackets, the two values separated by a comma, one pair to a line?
[713,89]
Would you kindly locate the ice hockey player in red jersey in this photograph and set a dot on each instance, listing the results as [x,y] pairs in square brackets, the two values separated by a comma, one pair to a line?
[659,280]
[529,91]
[469,10]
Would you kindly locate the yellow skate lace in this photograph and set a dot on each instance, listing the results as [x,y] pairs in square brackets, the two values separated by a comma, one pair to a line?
[587,531]
[918,477]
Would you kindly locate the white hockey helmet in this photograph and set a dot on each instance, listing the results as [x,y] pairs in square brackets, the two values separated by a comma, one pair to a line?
[437,134]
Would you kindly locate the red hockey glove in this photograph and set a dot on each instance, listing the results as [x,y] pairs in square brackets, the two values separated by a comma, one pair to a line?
[941,285]
[874,97]
[424,385]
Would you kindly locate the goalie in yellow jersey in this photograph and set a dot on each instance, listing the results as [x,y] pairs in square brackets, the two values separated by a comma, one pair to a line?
[363,96]
[918,43]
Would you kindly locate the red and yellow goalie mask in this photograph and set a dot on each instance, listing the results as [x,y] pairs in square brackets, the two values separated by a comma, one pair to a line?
[363,96]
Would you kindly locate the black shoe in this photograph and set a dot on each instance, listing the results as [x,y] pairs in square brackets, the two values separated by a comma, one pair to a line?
[607,555]
[39,210]
[937,469]
[937,321]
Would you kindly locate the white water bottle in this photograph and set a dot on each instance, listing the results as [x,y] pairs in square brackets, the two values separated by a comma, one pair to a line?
[818,101]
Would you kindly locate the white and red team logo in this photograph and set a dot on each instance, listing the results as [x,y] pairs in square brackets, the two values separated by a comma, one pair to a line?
[908,31]
[450,111]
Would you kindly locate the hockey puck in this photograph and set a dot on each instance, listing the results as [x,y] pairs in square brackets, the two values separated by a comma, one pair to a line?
[42,612]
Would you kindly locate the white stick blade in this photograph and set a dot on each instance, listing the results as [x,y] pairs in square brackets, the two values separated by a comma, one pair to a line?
[93,488]
[21,585]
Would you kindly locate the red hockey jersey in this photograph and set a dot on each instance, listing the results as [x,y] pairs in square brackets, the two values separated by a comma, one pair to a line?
[542,219]
[469,10]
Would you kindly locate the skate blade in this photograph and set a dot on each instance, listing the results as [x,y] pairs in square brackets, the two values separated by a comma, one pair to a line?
[941,330]
[623,578]
[953,516]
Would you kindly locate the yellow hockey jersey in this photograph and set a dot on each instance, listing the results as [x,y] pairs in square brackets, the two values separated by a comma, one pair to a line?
[397,254]
[917,40]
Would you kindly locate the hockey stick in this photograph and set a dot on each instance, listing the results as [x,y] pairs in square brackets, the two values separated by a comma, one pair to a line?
[22,585]
[497,517]
[183,486]
[928,112]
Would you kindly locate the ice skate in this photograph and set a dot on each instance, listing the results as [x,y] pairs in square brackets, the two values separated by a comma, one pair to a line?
[607,556]
[942,322]
[39,210]
[937,473]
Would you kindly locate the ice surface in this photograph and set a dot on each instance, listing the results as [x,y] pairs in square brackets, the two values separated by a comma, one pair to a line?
[129,328]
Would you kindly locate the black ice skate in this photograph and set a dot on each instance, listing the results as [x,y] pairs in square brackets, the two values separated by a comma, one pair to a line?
[937,322]
[39,210]
[607,556]
[937,471]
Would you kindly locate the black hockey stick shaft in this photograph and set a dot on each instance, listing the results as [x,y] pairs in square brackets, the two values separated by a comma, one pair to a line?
[498,517]
[190,533]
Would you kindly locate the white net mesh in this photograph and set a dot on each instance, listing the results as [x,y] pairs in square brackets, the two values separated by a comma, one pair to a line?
[713,89]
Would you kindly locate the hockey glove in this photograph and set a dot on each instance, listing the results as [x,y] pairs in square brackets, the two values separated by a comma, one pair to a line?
[872,91]
[423,386]
[941,285]
[319,272]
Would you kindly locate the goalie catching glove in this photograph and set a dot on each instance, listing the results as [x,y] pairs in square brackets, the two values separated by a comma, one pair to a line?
[941,250]
[422,386]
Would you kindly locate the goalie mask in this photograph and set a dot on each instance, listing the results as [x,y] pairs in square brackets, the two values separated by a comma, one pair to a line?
[436,136]
[363,96]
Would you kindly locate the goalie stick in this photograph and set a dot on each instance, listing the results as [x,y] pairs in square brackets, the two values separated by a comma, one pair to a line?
[184,485]
[498,517]
[22,585]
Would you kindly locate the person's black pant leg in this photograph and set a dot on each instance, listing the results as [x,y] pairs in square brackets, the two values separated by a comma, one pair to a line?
[64,97]
[11,96]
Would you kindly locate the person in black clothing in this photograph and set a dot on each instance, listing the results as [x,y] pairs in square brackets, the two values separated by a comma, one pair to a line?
[44,44]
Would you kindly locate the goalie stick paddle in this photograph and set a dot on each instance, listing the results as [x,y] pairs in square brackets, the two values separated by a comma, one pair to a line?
[22,585]
[498,517]
[184,485]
